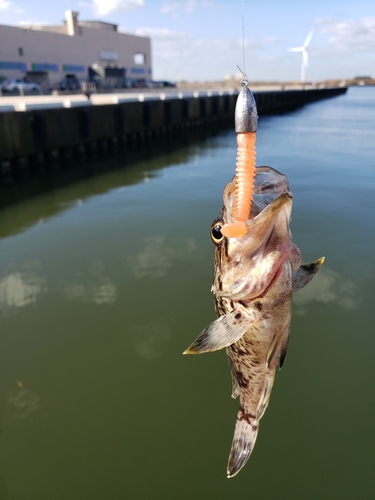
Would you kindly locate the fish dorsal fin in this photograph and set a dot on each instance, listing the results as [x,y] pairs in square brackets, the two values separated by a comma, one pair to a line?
[305,273]
[222,332]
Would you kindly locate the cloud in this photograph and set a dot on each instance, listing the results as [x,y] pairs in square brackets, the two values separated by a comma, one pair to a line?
[166,43]
[104,7]
[172,8]
[5,5]
[348,36]
[161,33]
[32,23]
[175,8]
[177,54]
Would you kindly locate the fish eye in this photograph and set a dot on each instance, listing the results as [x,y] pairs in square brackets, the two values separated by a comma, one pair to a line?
[216,235]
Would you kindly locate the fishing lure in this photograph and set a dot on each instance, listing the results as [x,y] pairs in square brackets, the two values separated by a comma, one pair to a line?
[246,123]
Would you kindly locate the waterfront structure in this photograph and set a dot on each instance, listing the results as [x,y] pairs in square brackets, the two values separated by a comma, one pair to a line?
[76,49]
[38,131]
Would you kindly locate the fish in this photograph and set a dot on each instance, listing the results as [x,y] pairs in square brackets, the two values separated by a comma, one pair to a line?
[254,278]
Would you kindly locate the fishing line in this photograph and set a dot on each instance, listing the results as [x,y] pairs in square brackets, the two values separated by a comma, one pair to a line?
[243,40]
[244,81]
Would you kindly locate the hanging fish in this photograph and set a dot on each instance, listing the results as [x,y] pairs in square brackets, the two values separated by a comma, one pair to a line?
[257,268]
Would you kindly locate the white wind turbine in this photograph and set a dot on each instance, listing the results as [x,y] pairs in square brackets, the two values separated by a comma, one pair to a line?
[305,57]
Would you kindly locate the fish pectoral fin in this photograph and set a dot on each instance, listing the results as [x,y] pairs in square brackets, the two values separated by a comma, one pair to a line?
[221,333]
[305,273]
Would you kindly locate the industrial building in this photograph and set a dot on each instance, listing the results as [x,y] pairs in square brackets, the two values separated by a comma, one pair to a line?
[86,50]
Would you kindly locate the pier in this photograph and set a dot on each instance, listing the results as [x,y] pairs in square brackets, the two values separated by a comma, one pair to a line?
[40,130]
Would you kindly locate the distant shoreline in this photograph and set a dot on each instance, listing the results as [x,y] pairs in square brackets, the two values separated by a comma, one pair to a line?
[261,86]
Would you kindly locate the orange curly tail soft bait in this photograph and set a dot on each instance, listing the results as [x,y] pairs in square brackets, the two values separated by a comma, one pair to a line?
[245,177]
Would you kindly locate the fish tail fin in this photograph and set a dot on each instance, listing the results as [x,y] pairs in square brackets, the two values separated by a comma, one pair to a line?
[247,425]
[245,435]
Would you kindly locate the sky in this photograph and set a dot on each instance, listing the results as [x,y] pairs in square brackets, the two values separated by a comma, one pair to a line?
[201,40]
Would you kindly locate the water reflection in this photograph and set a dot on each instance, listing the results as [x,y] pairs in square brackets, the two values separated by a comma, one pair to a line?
[328,286]
[148,339]
[154,259]
[22,403]
[91,285]
[21,288]
[156,256]
[95,177]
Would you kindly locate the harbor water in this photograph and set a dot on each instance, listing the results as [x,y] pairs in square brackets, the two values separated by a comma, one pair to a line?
[105,280]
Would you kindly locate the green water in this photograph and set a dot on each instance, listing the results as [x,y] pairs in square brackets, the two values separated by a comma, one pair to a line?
[105,281]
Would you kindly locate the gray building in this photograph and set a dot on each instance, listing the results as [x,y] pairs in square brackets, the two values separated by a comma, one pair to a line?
[81,49]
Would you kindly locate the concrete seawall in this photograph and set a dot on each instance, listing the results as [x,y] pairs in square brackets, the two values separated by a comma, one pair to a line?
[41,136]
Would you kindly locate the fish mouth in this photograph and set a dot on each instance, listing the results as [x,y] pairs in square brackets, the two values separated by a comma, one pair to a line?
[250,264]
[261,228]
[269,185]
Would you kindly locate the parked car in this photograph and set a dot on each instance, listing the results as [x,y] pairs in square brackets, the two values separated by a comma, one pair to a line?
[139,83]
[160,84]
[18,84]
[70,83]
[169,84]
[154,85]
